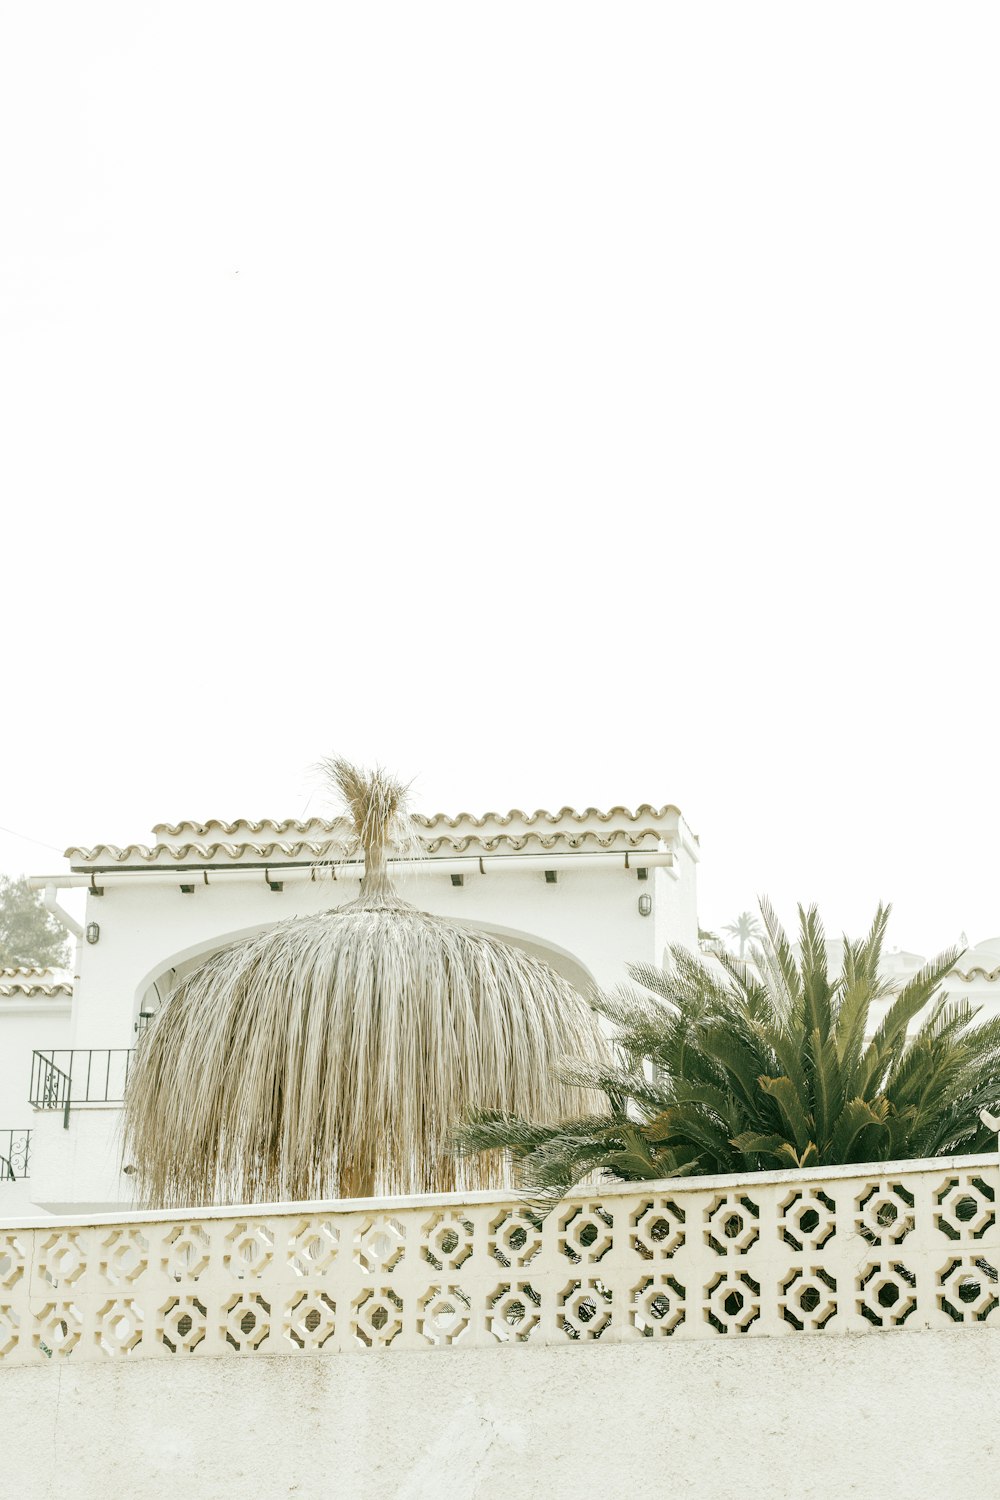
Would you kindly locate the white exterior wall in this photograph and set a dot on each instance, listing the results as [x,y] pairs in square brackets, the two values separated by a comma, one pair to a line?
[76,1167]
[587,924]
[813,1419]
[24,1025]
[675,904]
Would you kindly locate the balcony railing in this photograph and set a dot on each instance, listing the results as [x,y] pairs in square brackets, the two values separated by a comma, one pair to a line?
[15,1154]
[904,1247]
[63,1078]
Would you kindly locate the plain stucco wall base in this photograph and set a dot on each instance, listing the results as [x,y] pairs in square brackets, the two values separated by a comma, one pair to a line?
[811,1418]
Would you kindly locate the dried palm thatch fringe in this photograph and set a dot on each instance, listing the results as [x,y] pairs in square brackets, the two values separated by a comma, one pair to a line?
[335,1054]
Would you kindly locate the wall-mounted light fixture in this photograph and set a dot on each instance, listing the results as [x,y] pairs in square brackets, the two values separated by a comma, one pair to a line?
[645,904]
[93,932]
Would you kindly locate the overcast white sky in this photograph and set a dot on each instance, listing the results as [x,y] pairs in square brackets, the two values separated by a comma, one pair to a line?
[563,403]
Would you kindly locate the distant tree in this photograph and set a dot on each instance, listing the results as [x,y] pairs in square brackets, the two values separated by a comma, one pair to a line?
[746,928]
[29,936]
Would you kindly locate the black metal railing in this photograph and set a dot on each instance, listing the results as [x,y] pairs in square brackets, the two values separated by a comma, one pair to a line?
[65,1077]
[50,1086]
[15,1154]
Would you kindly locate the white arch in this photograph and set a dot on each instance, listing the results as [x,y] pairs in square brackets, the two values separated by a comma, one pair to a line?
[565,963]
[199,950]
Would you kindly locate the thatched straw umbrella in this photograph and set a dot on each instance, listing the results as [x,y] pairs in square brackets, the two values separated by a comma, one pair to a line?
[334,1055]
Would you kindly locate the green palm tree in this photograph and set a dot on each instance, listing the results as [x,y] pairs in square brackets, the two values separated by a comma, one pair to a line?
[746,929]
[767,1067]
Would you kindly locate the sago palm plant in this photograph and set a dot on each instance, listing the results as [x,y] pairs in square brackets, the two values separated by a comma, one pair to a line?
[767,1065]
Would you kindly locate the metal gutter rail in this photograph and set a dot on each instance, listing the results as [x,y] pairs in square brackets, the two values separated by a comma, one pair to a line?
[294,870]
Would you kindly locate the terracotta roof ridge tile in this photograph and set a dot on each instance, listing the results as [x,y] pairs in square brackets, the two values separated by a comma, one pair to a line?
[177,854]
[543,840]
[424,820]
[284,825]
[645,809]
[27,990]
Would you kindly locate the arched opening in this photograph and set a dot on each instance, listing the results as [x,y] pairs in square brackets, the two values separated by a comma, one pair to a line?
[565,963]
[157,984]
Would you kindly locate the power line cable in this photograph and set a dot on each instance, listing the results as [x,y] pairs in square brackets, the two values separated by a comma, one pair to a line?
[28,840]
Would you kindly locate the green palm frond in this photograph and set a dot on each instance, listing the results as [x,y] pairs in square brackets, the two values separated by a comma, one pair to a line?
[891,1034]
[737,1066]
[815,981]
[859,1127]
[799,1125]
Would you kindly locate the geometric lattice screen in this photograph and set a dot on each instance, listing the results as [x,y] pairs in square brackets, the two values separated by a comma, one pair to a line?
[820,1253]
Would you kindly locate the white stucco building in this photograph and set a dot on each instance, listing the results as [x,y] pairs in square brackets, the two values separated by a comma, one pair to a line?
[588,891]
[387,1347]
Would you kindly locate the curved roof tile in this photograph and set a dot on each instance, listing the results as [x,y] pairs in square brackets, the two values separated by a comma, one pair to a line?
[27,988]
[30,971]
[287,825]
[183,853]
[200,853]
[645,809]
[423,820]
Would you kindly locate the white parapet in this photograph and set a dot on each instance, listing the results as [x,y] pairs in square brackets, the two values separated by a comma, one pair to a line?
[911,1246]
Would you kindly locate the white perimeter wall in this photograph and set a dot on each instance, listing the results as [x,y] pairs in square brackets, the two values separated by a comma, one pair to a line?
[813,1418]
